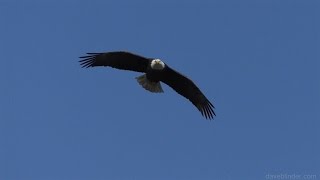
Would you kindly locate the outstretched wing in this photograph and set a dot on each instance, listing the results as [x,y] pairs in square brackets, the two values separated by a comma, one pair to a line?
[120,60]
[189,90]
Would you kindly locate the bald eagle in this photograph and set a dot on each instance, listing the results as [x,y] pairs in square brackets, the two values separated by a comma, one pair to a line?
[154,71]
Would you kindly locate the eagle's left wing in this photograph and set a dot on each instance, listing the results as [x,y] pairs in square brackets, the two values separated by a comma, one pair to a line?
[189,90]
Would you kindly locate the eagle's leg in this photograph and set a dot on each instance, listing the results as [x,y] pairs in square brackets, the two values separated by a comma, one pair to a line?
[154,87]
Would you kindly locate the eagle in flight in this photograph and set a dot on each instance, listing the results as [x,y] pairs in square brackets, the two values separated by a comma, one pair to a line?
[154,71]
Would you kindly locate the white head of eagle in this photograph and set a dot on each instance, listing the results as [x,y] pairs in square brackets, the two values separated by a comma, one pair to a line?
[157,64]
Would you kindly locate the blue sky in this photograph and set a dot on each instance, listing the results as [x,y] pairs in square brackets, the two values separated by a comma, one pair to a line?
[257,61]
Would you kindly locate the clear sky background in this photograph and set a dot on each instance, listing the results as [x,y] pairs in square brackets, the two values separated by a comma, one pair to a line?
[257,61]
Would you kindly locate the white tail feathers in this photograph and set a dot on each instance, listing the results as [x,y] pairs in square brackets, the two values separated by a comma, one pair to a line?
[154,87]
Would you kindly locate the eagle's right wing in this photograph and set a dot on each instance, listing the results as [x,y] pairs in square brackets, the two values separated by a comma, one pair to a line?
[120,60]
